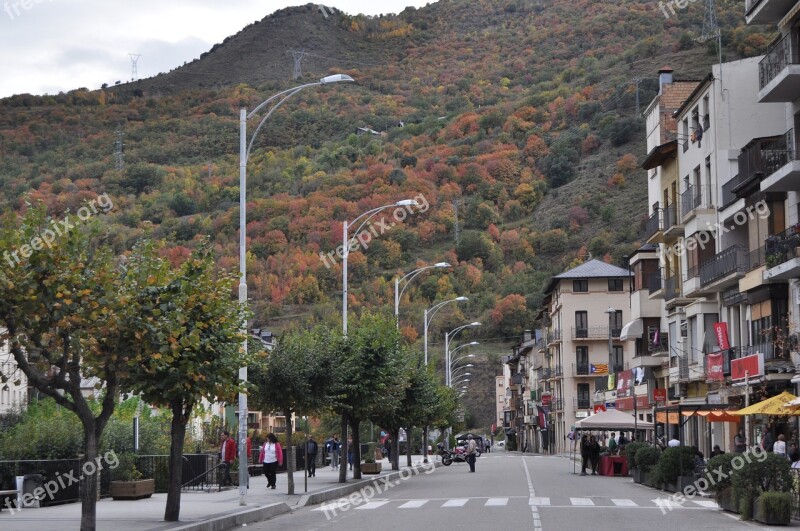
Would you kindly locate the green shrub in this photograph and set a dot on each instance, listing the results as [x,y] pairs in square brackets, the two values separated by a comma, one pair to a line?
[722,463]
[762,473]
[370,457]
[776,504]
[630,452]
[675,462]
[646,458]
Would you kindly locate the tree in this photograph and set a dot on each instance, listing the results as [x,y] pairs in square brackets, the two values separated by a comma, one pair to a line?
[368,378]
[63,313]
[295,378]
[395,416]
[188,344]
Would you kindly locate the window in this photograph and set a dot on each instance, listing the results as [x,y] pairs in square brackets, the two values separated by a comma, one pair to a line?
[617,360]
[581,324]
[601,383]
[582,360]
[685,132]
[615,284]
[583,396]
[580,285]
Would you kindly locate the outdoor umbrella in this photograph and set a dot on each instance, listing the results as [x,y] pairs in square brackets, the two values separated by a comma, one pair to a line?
[771,406]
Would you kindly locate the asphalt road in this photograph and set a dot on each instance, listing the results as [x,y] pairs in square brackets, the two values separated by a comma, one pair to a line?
[509,491]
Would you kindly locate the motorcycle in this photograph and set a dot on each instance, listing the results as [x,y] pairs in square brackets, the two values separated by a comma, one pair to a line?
[457,455]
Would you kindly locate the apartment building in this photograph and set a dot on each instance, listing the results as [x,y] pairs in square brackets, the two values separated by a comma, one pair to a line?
[13,383]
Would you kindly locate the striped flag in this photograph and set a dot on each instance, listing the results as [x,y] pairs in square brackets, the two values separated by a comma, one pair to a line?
[600,368]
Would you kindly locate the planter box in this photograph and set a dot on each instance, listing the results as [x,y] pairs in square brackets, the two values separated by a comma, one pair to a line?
[680,484]
[649,482]
[371,468]
[638,476]
[133,490]
[768,517]
[727,502]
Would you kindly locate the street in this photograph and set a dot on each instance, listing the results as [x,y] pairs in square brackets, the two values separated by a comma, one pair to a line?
[508,491]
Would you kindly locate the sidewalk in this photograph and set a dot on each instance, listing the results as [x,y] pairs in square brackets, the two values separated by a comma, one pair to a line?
[202,510]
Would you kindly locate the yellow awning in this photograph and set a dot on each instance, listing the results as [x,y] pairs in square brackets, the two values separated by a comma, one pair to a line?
[663,416]
[771,406]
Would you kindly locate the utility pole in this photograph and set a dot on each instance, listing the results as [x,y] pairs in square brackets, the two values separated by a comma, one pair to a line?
[298,63]
[710,26]
[134,61]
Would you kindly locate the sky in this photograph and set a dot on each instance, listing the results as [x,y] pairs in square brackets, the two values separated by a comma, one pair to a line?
[49,46]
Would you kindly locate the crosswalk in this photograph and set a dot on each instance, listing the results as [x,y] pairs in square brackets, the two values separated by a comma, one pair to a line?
[597,501]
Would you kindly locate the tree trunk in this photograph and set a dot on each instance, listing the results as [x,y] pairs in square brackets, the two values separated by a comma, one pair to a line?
[356,423]
[177,432]
[343,469]
[408,444]
[89,480]
[395,449]
[289,453]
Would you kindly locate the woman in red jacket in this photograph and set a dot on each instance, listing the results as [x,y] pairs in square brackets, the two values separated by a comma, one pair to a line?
[271,456]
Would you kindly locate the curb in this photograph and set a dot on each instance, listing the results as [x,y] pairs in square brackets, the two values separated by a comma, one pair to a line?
[228,521]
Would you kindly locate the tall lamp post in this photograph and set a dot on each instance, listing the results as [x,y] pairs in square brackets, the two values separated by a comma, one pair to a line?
[244,153]
[449,336]
[449,371]
[346,247]
[407,278]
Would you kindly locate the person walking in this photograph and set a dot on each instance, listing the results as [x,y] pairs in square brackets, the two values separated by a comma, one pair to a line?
[271,456]
[594,453]
[311,455]
[350,451]
[387,448]
[335,447]
[739,445]
[584,454]
[328,451]
[227,454]
[780,446]
[472,452]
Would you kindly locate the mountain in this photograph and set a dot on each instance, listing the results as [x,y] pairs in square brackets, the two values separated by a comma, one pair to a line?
[513,121]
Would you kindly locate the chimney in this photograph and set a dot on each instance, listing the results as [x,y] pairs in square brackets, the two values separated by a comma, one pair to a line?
[664,78]
[527,336]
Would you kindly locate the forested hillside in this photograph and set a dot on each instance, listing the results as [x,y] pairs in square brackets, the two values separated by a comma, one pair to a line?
[514,121]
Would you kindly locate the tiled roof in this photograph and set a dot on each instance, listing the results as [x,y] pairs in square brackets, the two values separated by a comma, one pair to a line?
[594,269]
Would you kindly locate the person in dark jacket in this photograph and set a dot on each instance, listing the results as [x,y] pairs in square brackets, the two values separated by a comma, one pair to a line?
[311,453]
[584,454]
[594,454]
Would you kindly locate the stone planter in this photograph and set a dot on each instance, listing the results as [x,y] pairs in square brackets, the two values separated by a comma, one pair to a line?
[768,517]
[649,481]
[371,468]
[727,502]
[638,475]
[679,485]
[133,490]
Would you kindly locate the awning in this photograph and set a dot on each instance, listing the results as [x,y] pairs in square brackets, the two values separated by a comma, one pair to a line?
[771,406]
[663,416]
[632,330]
[714,415]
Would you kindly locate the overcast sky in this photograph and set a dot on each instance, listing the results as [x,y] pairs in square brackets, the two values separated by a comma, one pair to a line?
[49,46]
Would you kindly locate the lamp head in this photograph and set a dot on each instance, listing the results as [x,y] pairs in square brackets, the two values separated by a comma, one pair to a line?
[336,78]
[461,299]
[473,343]
[610,310]
[442,264]
[474,323]
[407,202]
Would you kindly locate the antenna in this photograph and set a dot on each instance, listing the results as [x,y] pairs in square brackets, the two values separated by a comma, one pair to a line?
[118,154]
[134,60]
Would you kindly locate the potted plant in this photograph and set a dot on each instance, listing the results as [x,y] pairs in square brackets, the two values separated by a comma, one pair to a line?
[646,459]
[773,508]
[675,468]
[630,453]
[765,474]
[719,481]
[370,466]
[128,483]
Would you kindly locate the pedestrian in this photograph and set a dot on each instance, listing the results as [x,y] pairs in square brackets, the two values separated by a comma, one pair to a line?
[584,454]
[350,451]
[795,459]
[594,453]
[780,445]
[739,445]
[311,455]
[271,456]
[674,442]
[387,447]
[328,448]
[612,444]
[227,454]
[767,441]
[716,451]
[472,452]
[336,446]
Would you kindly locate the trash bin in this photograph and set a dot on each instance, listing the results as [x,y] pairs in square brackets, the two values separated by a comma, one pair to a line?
[30,483]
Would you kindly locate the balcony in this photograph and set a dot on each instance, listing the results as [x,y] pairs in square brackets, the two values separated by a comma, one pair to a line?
[580,369]
[558,371]
[693,198]
[766,11]
[654,283]
[557,404]
[756,258]
[652,228]
[554,336]
[517,379]
[672,288]
[672,222]
[726,361]
[779,71]
[783,255]
[581,403]
[594,332]
[753,167]
[725,268]
[782,173]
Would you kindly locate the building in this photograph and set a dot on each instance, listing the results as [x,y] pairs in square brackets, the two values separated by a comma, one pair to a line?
[13,383]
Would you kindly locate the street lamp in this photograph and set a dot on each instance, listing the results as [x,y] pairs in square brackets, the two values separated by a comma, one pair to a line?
[449,337]
[451,363]
[408,277]
[244,153]
[431,312]
[346,243]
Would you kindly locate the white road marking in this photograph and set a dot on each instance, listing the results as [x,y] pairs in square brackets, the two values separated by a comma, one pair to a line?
[455,503]
[624,503]
[706,503]
[372,505]
[413,504]
[538,501]
[581,501]
[494,502]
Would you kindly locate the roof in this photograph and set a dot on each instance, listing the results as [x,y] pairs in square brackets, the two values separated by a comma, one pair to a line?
[697,90]
[591,269]
[612,419]
[659,154]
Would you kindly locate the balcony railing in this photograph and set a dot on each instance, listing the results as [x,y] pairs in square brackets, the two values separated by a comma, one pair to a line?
[517,379]
[557,404]
[594,332]
[581,403]
[782,54]
[671,287]
[781,247]
[653,224]
[692,199]
[558,371]
[779,153]
[670,216]
[580,369]
[731,260]
[757,258]
[554,335]
[660,345]
[654,282]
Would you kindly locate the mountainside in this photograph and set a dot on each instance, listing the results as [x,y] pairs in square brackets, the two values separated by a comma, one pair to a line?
[513,122]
